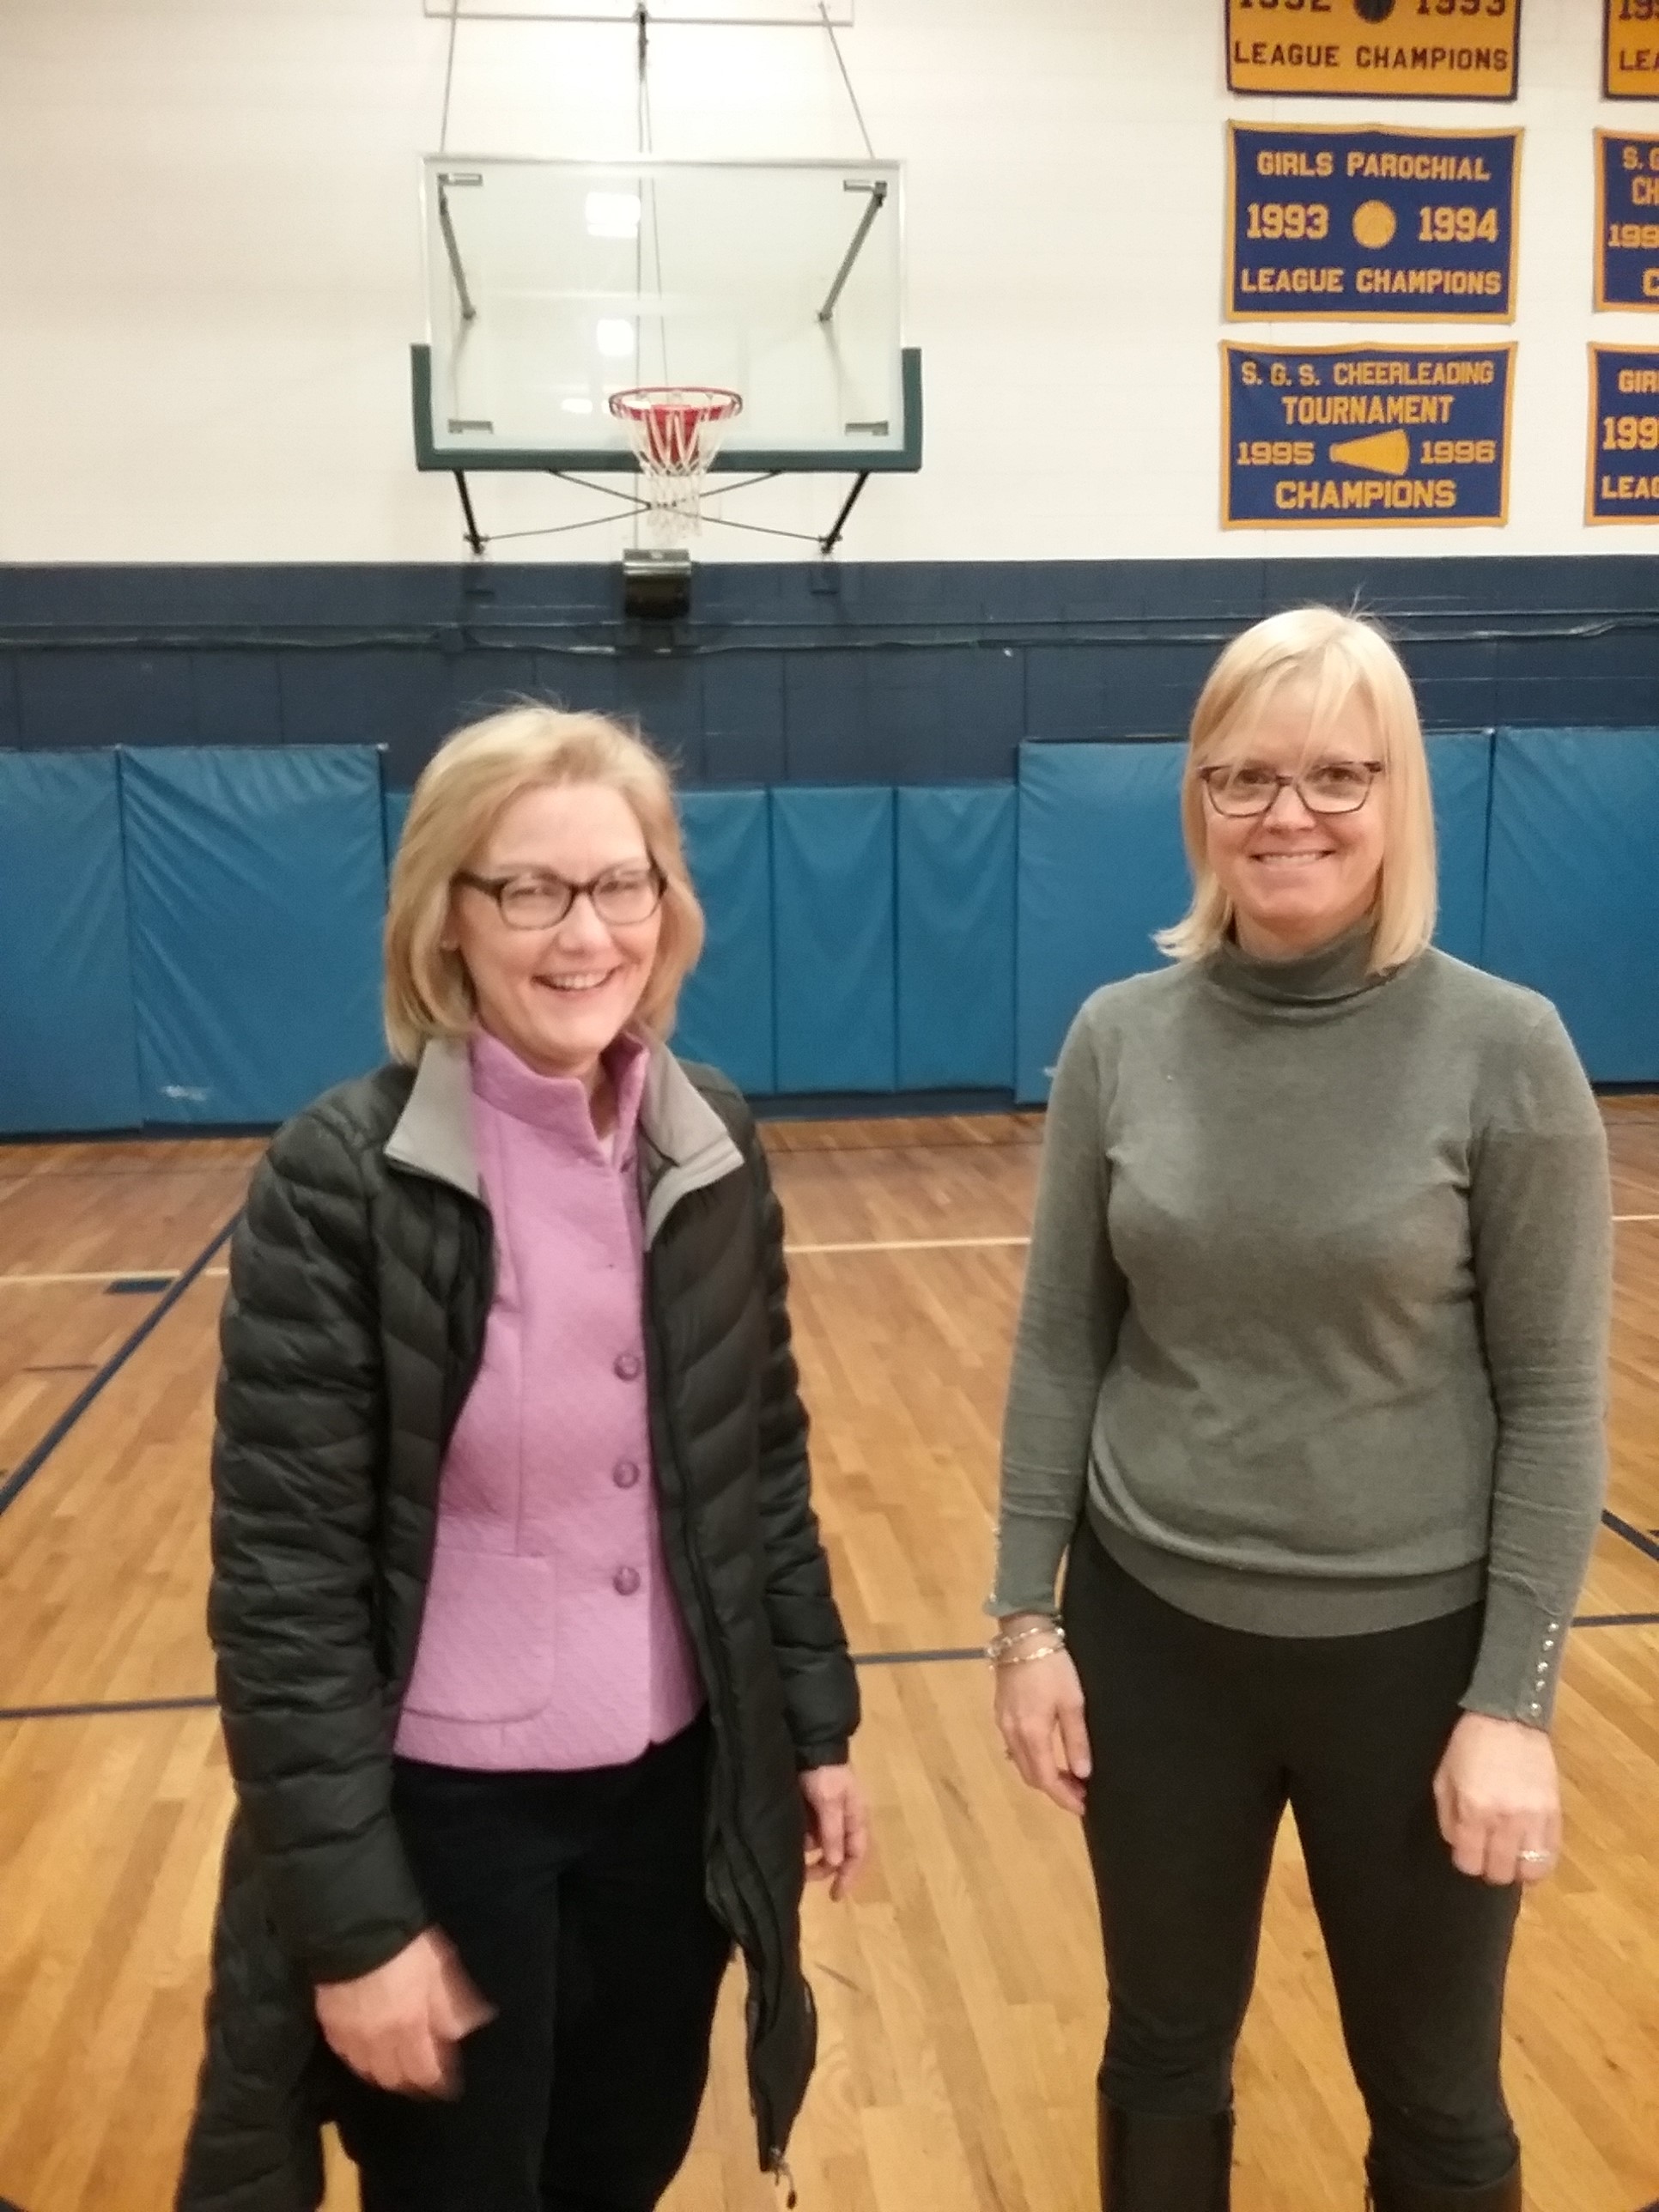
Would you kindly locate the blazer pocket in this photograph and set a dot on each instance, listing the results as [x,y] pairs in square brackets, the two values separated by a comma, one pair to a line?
[486,1647]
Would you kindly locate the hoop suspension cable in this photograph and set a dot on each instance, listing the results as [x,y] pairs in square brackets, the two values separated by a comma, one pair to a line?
[835,43]
[449,75]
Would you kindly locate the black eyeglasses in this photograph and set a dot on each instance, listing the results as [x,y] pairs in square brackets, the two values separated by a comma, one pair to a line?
[533,901]
[1337,787]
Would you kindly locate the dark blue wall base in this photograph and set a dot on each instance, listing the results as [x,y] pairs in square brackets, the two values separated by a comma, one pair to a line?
[866,1106]
[873,672]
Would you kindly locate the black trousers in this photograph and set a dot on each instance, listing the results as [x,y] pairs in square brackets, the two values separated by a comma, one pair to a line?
[576,1904]
[1201,1736]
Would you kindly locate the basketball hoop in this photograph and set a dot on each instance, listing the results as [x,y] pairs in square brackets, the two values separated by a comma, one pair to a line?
[675,431]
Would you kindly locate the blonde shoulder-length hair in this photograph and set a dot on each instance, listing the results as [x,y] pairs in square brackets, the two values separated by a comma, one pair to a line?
[461,794]
[1347,672]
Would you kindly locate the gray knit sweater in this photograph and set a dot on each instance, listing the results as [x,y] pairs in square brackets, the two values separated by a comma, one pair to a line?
[1316,1310]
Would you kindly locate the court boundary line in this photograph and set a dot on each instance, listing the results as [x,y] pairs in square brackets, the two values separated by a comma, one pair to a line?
[1630,1535]
[170,1275]
[936,1655]
[25,1472]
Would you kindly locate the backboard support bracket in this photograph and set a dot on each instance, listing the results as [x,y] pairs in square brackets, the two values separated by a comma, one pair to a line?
[479,542]
[828,544]
[878,200]
[452,247]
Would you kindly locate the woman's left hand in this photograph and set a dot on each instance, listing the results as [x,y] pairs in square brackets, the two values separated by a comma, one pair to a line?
[837,1826]
[1500,1800]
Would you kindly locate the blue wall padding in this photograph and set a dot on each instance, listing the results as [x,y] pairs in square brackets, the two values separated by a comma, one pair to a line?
[69,1059]
[257,884]
[1459,768]
[832,888]
[1101,868]
[1573,886]
[955,938]
[396,806]
[727,1006]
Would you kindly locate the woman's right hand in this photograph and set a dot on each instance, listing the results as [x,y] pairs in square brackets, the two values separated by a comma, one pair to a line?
[399,2026]
[1039,1708]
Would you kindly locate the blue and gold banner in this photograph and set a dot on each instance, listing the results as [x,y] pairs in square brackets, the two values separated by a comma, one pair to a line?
[1626,219]
[1377,49]
[1629,50]
[1371,225]
[1624,442]
[1342,437]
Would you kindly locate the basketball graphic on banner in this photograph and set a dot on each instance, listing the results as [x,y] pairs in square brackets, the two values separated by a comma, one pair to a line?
[1374,224]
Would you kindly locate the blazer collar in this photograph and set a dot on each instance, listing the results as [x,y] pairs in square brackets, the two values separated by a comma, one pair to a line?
[685,1145]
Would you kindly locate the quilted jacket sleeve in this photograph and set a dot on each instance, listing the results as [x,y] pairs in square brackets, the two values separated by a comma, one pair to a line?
[820,1686]
[297,1460]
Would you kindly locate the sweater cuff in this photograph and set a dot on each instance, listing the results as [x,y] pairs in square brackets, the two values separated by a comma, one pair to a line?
[1030,1550]
[1518,1666]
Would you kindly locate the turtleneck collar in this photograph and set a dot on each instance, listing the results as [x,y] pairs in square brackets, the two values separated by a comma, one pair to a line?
[1330,976]
[558,1104]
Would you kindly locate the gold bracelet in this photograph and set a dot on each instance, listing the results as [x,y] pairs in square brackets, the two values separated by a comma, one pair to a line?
[999,1644]
[1026,1658]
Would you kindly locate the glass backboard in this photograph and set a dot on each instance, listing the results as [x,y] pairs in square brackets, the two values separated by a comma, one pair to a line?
[756,13]
[552,285]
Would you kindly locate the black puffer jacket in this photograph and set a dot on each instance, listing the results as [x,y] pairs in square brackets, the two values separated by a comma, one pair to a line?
[360,1283]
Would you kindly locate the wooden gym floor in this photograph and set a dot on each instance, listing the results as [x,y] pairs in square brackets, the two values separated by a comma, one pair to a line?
[961,1992]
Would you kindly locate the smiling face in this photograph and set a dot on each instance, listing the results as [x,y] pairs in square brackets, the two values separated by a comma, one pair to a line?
[1297,879]
[559,996]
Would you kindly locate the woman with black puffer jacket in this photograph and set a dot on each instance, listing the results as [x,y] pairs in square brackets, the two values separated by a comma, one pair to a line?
[536,1696]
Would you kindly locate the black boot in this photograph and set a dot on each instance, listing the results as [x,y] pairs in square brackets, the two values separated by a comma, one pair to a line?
[1387,2194]
[1165,2162]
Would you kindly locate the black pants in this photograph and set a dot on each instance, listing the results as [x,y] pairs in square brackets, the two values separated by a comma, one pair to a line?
[576,1904]
[1201,1736]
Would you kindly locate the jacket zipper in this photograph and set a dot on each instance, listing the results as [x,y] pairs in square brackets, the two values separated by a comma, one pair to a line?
[776,2164]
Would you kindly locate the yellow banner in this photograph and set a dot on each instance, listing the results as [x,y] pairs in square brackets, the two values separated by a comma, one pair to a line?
[1379,49]
[1629,50]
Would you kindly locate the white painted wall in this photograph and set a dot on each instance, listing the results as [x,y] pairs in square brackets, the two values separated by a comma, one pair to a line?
[210,269]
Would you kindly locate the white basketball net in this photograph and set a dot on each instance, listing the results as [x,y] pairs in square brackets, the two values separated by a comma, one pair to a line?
[675,431]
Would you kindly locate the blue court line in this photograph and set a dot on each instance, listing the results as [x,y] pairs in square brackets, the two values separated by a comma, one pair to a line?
[977,1651]
[1643,1544]
[943,1655]
[22,1475]
[120,1705]
[915,1658]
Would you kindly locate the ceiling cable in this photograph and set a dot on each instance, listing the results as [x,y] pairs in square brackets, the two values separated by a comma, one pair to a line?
[840,63]
[449,76]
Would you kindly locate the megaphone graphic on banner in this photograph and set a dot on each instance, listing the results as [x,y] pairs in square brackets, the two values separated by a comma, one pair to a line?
[1389,455]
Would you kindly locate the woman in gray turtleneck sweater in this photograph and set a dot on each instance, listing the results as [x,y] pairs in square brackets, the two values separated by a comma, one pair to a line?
[1308,1392]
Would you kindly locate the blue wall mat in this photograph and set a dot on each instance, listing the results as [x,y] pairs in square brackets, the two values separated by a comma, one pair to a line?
[69,1060]
[396,805]
[727,1006]
[1459,768]
[955,938]
[832,877]
[1573,886]
[1101,868]
[257,884]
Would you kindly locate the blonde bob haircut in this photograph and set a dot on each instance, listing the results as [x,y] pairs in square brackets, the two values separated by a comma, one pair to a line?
[463,791]
[1357,698]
